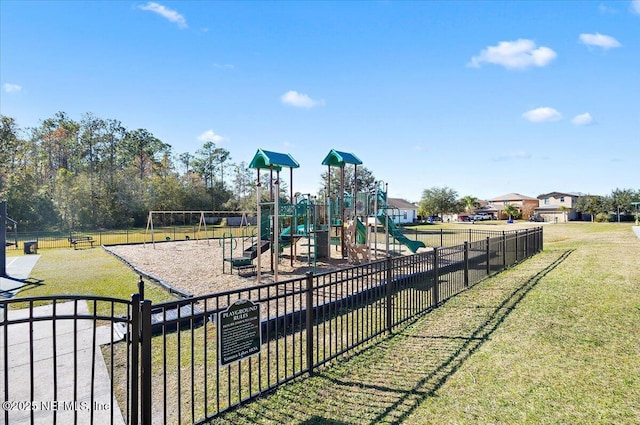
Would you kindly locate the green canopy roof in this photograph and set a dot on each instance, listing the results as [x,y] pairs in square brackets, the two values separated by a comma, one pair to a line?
[338,159]
[272,160]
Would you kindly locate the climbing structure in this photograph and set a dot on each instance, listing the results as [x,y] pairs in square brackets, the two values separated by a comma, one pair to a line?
[286,222]
[340,211]
[351,211]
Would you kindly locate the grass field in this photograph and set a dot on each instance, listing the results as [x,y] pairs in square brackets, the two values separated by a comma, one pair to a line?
[554,340]
[90,271]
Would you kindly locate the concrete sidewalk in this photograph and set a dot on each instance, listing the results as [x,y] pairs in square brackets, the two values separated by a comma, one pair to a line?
[18,269]
[636,229]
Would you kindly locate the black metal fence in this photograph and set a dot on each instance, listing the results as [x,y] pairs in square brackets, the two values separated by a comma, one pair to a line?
[172,362]
[440,237]
[57,360]
[123,237]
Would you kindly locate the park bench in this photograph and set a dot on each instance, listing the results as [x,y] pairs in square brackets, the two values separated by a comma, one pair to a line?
[75,240]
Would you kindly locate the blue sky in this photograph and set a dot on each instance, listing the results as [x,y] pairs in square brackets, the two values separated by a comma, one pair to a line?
[486,98]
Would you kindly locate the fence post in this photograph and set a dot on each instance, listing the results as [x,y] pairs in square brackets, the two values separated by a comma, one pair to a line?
[133,377]
[504,250]
[541,237]
[389,279]
[436,277]
[488,251]
[309,322]
[526,243]
[441,237]
[466,264]
[517,237]
[141,288]
[145,370]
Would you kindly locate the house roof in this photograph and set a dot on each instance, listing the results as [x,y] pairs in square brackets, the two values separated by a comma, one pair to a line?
[338,159]
[272,160]
[554,194]
[401,204]
[514,197]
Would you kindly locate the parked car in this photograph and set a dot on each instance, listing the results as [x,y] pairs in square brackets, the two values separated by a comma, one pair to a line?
[536,217]
[434,218]
[464,218]
[482,216]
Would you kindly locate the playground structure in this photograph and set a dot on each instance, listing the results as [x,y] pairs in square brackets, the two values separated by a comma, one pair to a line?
[357,214]
[299,221]
[282,224]
[300,224]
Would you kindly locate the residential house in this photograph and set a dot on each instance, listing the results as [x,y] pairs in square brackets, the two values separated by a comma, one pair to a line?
[525,204]
[402,211]
[558,207]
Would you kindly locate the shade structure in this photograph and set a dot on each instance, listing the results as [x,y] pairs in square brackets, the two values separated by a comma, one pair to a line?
[272,160]
[338,159]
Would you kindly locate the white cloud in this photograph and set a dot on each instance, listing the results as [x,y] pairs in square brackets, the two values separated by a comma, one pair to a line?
[299,100]
[513,156]
[12,88]
[210,136]
[543,114]
[519,54]
[582,119]
[168,14]
[635,6]
[606,9]
[600,40]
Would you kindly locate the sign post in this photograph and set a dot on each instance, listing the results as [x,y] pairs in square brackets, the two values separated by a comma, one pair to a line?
[239,332]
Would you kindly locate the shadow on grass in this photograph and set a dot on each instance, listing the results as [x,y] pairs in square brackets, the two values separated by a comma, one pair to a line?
[427,386]
[388,383]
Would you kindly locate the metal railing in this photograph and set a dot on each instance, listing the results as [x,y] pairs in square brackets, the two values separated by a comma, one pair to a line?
[58,360]
[125,237]
[172,370]
[308,322]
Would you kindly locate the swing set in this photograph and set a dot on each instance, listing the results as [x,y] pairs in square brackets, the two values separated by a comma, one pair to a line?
[184,233]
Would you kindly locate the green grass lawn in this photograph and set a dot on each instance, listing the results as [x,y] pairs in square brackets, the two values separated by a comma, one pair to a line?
[90,271]
[555,339]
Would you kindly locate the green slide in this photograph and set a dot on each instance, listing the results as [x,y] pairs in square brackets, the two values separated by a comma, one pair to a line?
[361,232]
[398,235]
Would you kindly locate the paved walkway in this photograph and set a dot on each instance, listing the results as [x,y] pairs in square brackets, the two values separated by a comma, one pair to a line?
[74,404]
[18,268]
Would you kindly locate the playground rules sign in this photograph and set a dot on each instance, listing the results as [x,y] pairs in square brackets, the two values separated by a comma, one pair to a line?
[239,332]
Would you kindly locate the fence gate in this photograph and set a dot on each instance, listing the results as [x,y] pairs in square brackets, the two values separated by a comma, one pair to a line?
[61,357]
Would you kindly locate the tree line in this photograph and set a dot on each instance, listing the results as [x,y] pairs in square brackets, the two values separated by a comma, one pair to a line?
[96,174]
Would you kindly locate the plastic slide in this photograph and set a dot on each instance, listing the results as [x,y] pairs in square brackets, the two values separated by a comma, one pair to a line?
[398,235]
[361,232]
[285,237]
